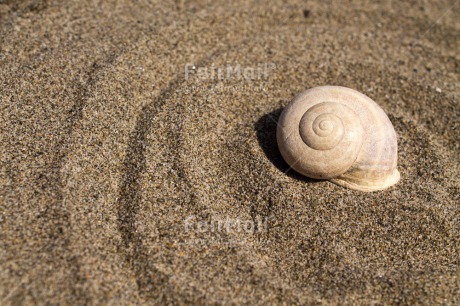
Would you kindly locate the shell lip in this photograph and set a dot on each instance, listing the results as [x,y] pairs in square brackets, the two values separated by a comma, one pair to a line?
[369,185]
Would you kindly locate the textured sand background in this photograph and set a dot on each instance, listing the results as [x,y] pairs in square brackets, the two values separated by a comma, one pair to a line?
[106,150]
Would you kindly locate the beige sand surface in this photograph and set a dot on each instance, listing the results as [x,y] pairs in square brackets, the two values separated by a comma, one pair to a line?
[115,168]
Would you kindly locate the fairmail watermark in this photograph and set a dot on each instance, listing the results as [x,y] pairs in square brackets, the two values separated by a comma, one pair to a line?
[236,71]
[226,225]
[223,231]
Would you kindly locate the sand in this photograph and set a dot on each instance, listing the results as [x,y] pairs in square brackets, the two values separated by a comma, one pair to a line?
[131,173]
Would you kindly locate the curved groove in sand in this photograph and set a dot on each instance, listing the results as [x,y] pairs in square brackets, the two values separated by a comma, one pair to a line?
[134,165]
[55,209]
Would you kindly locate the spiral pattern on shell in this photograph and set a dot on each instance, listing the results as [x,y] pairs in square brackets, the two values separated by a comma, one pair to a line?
[337,133]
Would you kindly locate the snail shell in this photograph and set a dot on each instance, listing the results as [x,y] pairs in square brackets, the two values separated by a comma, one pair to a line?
[339,134]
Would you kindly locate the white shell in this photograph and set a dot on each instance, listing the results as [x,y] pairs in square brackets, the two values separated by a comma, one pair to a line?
[339,134]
